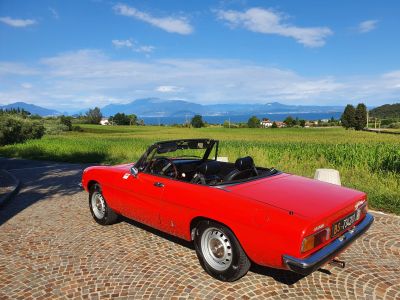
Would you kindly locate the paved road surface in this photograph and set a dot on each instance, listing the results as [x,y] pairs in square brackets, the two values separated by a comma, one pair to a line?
[51,248]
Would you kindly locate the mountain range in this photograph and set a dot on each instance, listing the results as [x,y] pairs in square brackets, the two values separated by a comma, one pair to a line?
[33,109]
[154,107]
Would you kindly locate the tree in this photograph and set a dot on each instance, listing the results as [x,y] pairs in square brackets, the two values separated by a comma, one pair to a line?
[348,117]
[302,123]
[197,121]
[274,125]
[253,122]
[132,119]
[360,116]
[120,119]
[67,121]
[94,116]
[289,121]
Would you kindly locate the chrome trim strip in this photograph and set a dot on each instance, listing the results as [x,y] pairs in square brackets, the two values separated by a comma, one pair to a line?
[317,259]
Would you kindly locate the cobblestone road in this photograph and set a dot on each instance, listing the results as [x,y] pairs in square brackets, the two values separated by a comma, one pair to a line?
[51,248]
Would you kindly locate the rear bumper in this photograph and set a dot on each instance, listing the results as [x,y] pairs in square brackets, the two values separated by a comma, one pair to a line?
[313,262]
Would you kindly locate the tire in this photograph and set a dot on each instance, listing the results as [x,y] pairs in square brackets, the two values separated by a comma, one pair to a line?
[99,209]
[219,252]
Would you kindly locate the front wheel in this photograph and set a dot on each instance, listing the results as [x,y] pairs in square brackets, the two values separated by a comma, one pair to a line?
[219,252]
[99,209]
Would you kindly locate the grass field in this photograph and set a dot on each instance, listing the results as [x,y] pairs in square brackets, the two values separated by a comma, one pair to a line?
[367,161]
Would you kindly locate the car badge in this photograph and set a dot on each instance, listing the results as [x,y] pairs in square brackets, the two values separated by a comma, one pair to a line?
[319,227]
[126,176]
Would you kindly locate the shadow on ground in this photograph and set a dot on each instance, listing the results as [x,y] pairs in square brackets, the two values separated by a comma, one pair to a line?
[39,183]
[282,276]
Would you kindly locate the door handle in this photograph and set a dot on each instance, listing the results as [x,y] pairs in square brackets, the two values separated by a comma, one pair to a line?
[158,184]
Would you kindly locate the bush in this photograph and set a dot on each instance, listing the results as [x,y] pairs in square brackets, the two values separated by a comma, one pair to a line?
[17,130]
[67,121]
[55,128]
[77,128]
[395,125]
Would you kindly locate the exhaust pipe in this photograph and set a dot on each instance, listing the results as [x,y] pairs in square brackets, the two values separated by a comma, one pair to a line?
[338,263]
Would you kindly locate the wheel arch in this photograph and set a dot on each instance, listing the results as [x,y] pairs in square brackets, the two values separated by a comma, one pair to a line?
[195,221]
[91,183]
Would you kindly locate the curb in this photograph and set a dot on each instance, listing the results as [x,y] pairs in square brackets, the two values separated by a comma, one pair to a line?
[13,192]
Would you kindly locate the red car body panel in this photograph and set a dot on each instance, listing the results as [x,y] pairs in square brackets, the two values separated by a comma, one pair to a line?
[269,216]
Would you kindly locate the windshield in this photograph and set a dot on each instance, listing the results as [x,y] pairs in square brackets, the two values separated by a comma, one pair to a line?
[184,149]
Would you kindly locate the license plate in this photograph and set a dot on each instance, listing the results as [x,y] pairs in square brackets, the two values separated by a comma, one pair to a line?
[343,224]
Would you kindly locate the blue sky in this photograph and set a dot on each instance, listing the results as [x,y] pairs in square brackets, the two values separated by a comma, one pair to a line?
[75,54]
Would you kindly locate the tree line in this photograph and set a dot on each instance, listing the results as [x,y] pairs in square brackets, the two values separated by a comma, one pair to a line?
[354,117]
[94,116]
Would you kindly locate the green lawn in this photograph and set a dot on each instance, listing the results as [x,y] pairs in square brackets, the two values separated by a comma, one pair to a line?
[367,161]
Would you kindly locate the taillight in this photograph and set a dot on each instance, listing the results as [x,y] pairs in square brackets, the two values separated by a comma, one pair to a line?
[314,240]
[362,210]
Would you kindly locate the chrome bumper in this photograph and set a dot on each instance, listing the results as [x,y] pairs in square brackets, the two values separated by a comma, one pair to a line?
[314,261]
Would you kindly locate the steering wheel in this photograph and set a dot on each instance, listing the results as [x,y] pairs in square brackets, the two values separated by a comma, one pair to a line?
[161,165]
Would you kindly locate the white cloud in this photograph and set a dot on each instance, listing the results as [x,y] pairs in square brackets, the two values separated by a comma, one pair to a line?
[392,79]
[54,13]
[11,68]
[268,21]
[168,89]
[85,78]
[170,24]
[26,85]
[122,43]
[17,22]
[135,46]
[144,49]
[367,26]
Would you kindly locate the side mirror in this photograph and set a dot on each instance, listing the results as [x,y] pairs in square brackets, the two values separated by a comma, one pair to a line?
[134,171]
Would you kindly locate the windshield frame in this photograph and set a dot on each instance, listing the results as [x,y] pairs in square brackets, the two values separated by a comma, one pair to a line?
[150,151]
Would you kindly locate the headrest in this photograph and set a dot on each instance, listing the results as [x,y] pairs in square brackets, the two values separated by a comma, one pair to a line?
[209,167]
[244,163]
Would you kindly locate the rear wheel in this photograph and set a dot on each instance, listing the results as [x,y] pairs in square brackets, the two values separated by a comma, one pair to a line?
[99,209]
[219,252]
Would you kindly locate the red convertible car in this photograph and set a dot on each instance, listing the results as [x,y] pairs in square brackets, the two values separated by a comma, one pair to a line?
[235,213]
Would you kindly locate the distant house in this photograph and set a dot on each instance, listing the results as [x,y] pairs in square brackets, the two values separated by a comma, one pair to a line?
[266,123]
[104,121]
[280,124]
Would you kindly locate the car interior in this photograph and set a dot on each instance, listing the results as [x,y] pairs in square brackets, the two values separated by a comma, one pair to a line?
[165,160]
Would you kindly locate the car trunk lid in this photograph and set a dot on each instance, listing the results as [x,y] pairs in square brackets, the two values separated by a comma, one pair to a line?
[300,195]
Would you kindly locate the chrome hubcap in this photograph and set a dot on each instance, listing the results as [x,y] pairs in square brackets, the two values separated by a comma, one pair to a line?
[216,248]
[98,205]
